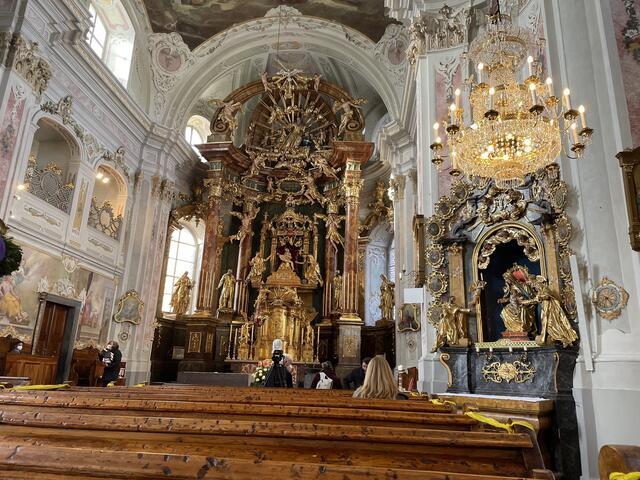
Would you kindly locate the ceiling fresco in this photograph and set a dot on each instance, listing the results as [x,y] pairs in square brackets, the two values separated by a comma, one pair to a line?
[198,20]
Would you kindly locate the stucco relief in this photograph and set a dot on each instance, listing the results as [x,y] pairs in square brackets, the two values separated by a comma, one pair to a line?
[9,132]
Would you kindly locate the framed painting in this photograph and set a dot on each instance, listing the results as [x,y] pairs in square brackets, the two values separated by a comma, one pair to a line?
[130,308]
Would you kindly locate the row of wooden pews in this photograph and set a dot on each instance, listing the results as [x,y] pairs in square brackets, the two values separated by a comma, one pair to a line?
[196,432]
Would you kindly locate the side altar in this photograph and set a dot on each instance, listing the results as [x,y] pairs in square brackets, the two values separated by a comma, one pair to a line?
[280,205]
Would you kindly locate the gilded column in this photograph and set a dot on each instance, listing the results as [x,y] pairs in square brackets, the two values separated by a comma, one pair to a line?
[351,186]
[207,291]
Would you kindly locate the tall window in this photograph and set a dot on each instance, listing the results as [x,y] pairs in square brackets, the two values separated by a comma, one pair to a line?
[111,37]
[182,258]
[391,261]
[193,136]
[97,35]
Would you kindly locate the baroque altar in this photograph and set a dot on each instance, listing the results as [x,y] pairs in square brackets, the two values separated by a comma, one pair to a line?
[280,204]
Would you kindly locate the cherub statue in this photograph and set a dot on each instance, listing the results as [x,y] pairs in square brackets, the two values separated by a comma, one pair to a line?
[228,114]
[348,111]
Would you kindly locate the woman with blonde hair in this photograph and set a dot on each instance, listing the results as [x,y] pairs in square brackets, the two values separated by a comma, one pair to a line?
[378,381]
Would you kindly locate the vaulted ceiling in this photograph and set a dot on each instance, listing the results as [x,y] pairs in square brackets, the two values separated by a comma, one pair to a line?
[198,20]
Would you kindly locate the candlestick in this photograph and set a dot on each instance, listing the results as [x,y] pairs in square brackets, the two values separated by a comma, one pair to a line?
[457,94]
[452,109]
[492,92]
[574,133]
[480,68]
[530,64]
[532,89]
[235,344]
[583,116]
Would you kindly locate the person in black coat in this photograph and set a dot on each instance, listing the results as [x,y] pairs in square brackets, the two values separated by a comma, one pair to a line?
[111,357]
[279,375]
[355,378]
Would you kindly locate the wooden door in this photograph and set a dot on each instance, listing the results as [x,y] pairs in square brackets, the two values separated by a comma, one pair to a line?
[51,338]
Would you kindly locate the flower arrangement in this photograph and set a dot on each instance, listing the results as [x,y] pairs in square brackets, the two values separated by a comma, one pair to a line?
[10,253]
[260,374]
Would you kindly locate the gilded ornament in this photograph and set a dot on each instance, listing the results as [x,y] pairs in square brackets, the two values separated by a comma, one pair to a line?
[563,230]
[519,371]
[444,208]
[129,308]
[434,312]
[609,299]
[434,228]
[505,235]
[435,255]
[460,191]
[437,283]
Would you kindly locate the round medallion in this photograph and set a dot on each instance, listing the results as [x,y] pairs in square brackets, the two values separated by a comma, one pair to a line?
[124,336]
[435,255]
[444,208]
[434,228]
[609,299]
[437,283]
[460,191]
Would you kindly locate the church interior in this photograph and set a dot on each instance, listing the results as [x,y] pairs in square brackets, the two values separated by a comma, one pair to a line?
[440,200]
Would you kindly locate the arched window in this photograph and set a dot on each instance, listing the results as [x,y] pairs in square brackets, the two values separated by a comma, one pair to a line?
[193,136]
[183,255]
[111,37]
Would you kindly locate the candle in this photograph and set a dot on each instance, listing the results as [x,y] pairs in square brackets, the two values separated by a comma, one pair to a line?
[492,92]
[574,133]
[566,98]
[480,68]
[438,140]
[454,160]
[583,116]
[549,83]
[235,344]
[457,93]
[532,89]
[530,64]
[452,109]
[436,127]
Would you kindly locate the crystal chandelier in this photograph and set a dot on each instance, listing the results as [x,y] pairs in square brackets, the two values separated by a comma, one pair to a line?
[511,127]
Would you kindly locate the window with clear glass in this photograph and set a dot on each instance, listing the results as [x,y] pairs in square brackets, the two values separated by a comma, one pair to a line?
[97,35]
[183,252]
[391,261]
[192,136]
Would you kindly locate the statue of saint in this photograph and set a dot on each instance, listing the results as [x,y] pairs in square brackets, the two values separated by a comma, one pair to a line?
[246,219]
[456,321]
[555,324]
[338,297]
[228,285]
[312,270]
[387,298]
[244,339]
[518,314]
[257,264]
[181,295]
[286,260]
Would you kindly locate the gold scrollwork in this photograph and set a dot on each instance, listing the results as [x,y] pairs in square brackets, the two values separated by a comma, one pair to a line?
[437,283]
[443,361]
[434,228]
[435,255]
[519,371]
[504,235]
[609,299]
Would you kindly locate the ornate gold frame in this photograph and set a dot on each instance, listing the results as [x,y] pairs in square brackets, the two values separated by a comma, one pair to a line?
[476,252]
[131,294]
[629,160]
[416,317]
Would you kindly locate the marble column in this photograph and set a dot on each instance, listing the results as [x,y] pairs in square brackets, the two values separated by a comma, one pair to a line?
[207,291]
[352,185]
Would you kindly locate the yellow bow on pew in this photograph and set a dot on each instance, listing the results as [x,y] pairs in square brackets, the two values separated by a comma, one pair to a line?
[624,476]
[437,401]
[495,423]
[59,386]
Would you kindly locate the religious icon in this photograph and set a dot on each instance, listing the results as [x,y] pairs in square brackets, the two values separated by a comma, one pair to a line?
[130,308]
[387,298]
[518,314]
[228,285]
[409,318]
[286,260]
[181,295]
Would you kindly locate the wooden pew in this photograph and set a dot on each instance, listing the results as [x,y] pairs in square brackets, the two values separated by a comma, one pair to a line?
[618,458]
[172,423]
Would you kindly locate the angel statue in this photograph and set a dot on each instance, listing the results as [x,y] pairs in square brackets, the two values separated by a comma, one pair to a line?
[387,298]
[312,270]
[348,108]
[181,295]
[229,111]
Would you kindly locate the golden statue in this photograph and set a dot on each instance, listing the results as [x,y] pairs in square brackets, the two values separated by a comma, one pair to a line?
[246,219]
[307,348]
[258,268]
[555,324]
[518,314]
[228,285]
[286,260]
[338,297]
[312,271]
[457,320]
[181,295]
[244,340]
[387,298]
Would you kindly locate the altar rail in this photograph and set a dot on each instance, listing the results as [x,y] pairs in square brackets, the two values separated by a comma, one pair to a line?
[241,433]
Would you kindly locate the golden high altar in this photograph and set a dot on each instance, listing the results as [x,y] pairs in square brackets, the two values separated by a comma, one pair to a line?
[281,219]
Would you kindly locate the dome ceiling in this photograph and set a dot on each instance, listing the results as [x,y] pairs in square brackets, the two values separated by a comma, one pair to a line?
[198,20]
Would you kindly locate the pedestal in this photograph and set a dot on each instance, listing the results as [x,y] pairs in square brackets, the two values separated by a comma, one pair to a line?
[199,344]
[348,347]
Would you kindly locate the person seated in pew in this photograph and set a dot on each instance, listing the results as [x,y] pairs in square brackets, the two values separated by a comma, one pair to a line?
[355,378]
[17,347]
[379,381]
[326,378]
[110,356]
[279,375]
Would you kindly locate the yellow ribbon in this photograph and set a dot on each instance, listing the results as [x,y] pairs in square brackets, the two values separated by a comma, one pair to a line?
[140,385]
[503,426]
[59,386]
[624,476]
[111,384]
[437,401]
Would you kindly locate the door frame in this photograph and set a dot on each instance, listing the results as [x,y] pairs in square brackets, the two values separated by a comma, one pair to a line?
[70,330]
